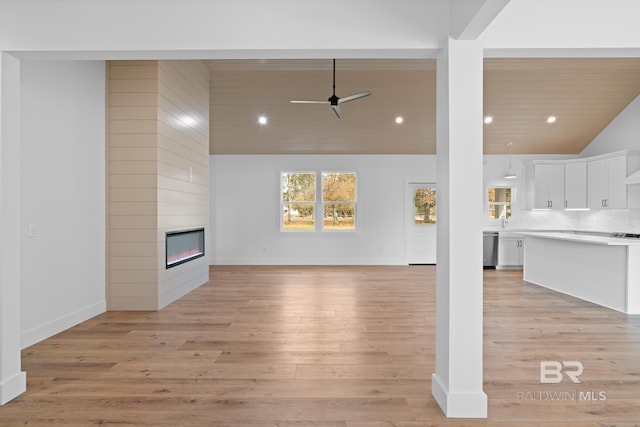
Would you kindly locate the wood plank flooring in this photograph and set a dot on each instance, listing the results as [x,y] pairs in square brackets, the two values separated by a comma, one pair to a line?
[328,347]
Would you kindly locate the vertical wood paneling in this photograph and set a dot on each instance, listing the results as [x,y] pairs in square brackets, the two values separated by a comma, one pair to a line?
[158,179]
[183,152]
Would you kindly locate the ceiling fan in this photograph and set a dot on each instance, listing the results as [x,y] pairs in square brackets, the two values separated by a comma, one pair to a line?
[334,100]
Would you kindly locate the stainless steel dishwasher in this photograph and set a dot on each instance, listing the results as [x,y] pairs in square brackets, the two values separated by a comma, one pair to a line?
[489,249]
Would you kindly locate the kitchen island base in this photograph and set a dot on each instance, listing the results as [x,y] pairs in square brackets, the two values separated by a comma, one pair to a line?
[602,272]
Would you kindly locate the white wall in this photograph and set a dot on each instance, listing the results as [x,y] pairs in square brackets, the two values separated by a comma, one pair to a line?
[63,196]
[595,27]
[245,210]
[195,28]
[12,380]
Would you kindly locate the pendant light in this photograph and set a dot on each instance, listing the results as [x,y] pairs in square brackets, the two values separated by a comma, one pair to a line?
[509,174]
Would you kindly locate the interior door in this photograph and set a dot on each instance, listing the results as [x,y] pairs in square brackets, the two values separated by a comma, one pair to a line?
[420,215]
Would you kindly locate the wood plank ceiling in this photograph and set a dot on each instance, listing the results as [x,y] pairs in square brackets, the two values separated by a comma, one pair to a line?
[584,95]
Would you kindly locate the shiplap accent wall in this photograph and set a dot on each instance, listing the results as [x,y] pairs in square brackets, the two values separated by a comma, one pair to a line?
[183,168]
[158,177]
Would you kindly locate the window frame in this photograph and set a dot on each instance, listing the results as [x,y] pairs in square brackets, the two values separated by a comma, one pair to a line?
[354,202]
[319,203]
[282,203]
[506,205]
[425,186]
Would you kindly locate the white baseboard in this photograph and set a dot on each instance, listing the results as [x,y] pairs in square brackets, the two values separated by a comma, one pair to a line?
[459,405]
[310,261]
[509,267]
[13,387]
[49,329]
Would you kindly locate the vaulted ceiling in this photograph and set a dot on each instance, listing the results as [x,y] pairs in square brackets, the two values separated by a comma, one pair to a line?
[584,95]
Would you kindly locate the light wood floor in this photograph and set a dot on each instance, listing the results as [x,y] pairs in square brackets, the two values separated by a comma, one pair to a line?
[327,347]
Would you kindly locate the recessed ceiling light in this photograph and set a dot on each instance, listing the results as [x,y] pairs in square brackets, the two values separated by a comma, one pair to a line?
[399,120]
[551,119]
[488,119]
[262,120]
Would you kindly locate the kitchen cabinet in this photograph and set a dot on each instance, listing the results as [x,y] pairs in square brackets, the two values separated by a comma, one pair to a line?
[575,185]
[597,182]
[606,183]
[545,185]
[510,250]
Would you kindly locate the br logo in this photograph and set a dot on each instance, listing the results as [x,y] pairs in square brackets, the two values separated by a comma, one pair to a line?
[551,371]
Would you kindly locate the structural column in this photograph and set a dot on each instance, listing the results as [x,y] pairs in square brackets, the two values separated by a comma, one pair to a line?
[457,382]
[12,379]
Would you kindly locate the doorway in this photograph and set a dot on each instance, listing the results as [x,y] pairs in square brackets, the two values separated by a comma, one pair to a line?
[420,217]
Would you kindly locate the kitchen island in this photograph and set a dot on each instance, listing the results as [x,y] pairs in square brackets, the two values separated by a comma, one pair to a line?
[597,268]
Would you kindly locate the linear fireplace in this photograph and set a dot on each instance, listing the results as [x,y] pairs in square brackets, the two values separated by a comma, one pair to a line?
[184,246]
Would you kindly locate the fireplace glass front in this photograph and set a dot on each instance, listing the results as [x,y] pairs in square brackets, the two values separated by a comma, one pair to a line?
[184,246]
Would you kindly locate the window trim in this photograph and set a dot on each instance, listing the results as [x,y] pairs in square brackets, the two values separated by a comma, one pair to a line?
[356,218]
[281,203]
[319,203]
[424,186]
[504,204]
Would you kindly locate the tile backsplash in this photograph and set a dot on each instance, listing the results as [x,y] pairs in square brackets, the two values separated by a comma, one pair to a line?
[547,220]
[623,220]
[619,220]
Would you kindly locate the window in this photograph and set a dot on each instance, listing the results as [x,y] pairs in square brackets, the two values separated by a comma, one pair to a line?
[337,204]
[424,205]
[339,201]
[499,202]
[298,201]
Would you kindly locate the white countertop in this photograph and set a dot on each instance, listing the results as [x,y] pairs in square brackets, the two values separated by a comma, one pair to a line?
[584,238]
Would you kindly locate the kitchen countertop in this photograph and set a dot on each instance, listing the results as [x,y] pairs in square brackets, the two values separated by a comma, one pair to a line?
[526,230]
[572,236]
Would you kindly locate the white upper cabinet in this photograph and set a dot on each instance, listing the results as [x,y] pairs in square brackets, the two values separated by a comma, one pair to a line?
[556,186]
[545,185]
[575,185]
[598,182]
[607,187]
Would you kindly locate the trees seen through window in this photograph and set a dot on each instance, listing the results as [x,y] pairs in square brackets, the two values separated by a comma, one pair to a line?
[299,204]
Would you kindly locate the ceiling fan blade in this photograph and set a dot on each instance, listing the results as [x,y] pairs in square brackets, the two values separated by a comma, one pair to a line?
[336,109]
[309,102]
[356,96]
[334,100]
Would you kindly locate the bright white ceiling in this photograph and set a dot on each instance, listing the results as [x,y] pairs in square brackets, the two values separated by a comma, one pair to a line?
[584,95]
